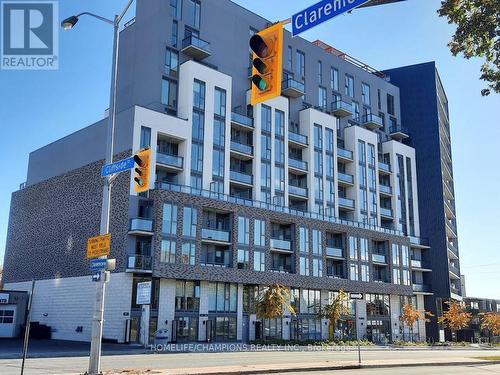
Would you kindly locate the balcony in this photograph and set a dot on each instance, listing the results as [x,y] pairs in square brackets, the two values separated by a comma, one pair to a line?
[298,165]
[346,179]
[242,149]
[344,154]
[386,212]
[384,167]
[215,235]
[141,226]
[241,120]
[420,264]
[297,191]
[341,109]
[452,247]
[454,270]
[195,47]
[422,288]
[398,132]
[379,258]
[140,263]
[292,88]
[170,161]
[346,203]
[384,189]
[281,244]
[373,122]
[298,139]
[334,252]
[419,242]
[241,178]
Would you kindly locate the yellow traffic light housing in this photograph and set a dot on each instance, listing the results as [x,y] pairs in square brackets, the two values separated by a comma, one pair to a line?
[142,171]
[267,65]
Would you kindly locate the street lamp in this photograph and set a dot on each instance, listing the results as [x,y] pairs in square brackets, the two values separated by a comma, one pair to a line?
[98,317]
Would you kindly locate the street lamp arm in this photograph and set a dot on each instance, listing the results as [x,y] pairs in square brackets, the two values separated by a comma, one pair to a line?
[120,17]
[95,16]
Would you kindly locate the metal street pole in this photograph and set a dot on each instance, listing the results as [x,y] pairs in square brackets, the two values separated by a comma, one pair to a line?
[27,328]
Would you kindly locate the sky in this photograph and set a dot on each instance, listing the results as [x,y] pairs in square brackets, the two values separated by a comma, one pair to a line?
[39,107]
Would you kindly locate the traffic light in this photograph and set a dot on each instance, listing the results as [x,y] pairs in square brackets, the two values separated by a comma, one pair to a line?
[142,171]
[267,64]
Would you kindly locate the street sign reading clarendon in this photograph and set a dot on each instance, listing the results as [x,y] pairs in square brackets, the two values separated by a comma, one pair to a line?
[98,246]
[321,12]
[117,167]
[99,264]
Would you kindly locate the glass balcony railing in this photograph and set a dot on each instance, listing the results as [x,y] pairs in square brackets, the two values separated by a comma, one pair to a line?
[373,119]
[242,148]
[419,241]
[215,234]
[341,105]
[386,211]
[242,177]
[299,138]
[142,225]
[139,262]
[194,41]
[384,166]
[398,129]
[242,119]
[418,263]
[454,269]
[334,252]
[378,258]
[297,190]
[292,84]
[281,244]
[170,160]
[344,153]
[348,178]
[346,202]
[422,288]
[385,189]
[298,164]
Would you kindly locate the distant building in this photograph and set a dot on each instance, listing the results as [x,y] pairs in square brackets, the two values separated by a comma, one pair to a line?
[477,307]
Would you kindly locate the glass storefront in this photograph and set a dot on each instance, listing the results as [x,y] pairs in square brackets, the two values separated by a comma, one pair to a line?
[185,329]
[306,328]
[221,328]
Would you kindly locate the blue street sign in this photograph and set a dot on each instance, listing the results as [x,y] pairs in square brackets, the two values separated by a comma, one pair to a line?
[98,264]
[96,277]
[321,12]
[116,167]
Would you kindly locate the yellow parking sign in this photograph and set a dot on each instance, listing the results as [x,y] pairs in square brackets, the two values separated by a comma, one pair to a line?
[98,246]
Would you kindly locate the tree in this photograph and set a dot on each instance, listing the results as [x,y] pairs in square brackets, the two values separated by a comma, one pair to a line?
[477,35]
[455,317]
[272,301]
[335,310]
[411,315]
[491,322]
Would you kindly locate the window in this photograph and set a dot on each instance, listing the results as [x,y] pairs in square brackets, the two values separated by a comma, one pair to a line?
[395,254]
[175,34]
[390,104]
[265,152]
[318,188]
[193,13]
[304,266]
[349,85]
[218,163]
[377,304]
[406,256]
[365,94]
[188,255]
[6,316]
[363,249]
[169,219]
[279,175]
[243,256]
[316,234]
[176,8]
[301,63]
[289,54]
[198,126]
[189,222]
[222,297]
[219,132]
[355,116]
[379,100]
[396,276]
[334,79]
[320,72]
[406,277]
[353,272]
[304,240]
[220,102]
[353,247]
[311,301]
[199,95]
[169,93]
[318,137]
[259,261]
[365,273]
[266,118]
[265,175]
[187,295]
[260,233]
[171,62]
[243,230]
[317,267]
[197,157]
[322,100]
[167,251]
[279,124]
[145,137]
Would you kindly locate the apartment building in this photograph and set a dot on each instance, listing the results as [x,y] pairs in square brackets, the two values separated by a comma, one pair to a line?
[478,307]
[424,110]
[315,190]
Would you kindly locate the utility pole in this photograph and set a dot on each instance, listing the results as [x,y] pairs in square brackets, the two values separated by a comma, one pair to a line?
[27,328]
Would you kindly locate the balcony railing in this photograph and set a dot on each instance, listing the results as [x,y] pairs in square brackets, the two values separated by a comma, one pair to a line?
[282,269]
[298,138]
[386,211]
[454,269]
[385,189]
[334,252]
[422,288]
[170,160]
[215,234]
[378,258]
[141,225]
[196,47]
[419,241]
[242,148]
[341,108]
[242,177]
[281,244]
[277,208]
[418,263]
[241,119]
[297,164]
[403,130]
[373,121]
[292,88]
[346,154]
[348,178]
[139,262]
[384,167]
[297,190]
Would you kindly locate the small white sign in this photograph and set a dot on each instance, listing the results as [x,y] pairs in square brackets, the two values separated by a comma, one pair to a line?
[143,293]
[4,298]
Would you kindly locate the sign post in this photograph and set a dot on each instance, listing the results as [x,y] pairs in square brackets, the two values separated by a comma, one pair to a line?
[357,296]
[143,298]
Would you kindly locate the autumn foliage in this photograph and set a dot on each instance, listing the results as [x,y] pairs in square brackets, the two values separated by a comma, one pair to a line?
[273,301]
[455,317]
[410,315]
[336,309]
[491,322]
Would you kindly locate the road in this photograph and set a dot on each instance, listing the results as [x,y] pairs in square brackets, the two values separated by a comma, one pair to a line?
[452,370]
[181,363]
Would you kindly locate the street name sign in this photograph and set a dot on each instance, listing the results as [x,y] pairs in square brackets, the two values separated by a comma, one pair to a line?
[356,295]
[143,293]
[321,12]
[117,167]
[98,264]
[98,246]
